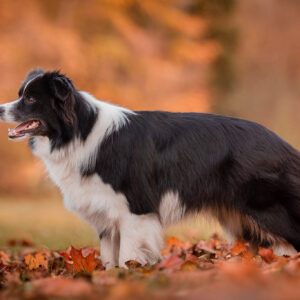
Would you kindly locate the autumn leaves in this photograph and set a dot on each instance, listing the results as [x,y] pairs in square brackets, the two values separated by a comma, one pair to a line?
[207,268]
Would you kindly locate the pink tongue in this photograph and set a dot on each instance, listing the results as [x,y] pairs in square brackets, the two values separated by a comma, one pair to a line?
[17,130]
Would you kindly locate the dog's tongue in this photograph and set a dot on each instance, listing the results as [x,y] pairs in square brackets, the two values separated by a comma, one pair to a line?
[21,129]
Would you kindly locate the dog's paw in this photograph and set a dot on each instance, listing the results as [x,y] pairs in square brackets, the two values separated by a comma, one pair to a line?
[109,265]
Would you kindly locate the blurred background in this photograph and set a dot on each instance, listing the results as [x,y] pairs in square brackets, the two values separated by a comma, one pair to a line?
[235,57]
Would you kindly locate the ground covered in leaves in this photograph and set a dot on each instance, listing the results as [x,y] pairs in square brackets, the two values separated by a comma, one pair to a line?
[203,270]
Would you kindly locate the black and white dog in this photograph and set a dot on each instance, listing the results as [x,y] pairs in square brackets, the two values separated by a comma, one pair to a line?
[132,173]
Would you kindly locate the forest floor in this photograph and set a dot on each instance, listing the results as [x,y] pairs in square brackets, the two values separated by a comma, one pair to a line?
[192,267]
[48,224]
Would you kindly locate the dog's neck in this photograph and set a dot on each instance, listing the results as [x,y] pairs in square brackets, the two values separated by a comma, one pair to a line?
[108,118]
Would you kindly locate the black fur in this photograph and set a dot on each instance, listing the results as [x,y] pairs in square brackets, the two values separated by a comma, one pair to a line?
[58,105]
[217,163]
[212,161]
[1,111]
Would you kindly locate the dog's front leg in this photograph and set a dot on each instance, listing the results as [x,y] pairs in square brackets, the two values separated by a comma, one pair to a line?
[109,248]
[141,239]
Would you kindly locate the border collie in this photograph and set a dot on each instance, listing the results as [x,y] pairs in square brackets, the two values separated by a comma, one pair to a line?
[132,173]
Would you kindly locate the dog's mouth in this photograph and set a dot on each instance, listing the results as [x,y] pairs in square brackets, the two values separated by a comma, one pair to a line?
[28,127]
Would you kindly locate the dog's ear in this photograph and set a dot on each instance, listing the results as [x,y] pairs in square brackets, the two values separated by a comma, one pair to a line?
[62,90]
[61,87]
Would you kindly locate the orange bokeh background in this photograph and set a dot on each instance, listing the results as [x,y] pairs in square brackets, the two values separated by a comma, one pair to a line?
[234,57]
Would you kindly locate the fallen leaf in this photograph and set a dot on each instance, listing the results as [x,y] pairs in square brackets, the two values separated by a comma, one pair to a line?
[215,243]
[202,248]
[35,261]
[81,263]
[87,251]
[4,258]
[175,245]
[132,264]
[266,254]
[172,242]
[174,262]
[238,248]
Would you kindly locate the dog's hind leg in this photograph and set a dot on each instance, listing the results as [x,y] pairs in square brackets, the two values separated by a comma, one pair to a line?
[269,229]
[268,210]
[272,228]
[284,248]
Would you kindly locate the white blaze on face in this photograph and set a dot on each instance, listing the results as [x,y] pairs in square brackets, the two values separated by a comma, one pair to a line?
[7,114]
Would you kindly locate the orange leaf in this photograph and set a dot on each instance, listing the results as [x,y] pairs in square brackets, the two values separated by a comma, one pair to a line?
[86,251]
[238,248]
[35,261]
[173,262]
[4,258]
[81,263]
[172,242]
[266,254]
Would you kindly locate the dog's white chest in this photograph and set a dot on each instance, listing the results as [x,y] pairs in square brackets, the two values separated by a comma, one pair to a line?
[89,197]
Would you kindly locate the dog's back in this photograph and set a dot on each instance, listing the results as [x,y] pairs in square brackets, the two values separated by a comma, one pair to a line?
[236,170]
[132,173]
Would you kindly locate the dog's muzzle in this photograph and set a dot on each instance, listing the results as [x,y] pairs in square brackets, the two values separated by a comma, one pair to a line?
[6,111]
[2,111]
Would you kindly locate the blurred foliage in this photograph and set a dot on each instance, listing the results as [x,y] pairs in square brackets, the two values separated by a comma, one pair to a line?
[265,66]
[234,57]
[151,54]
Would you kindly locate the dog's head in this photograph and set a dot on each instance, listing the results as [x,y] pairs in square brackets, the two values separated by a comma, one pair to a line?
[45,107]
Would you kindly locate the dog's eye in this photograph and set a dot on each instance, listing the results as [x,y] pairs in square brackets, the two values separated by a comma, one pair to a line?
[30,100]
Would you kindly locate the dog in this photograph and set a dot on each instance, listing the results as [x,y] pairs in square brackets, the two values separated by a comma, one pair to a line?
[130,173]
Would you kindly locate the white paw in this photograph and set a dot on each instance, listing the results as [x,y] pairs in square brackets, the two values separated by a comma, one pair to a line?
[108,265]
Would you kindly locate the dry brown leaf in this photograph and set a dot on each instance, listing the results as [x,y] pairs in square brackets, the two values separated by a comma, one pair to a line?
[132,264]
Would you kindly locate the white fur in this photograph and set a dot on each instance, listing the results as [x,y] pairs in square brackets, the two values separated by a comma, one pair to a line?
[97,202]
[7,116]
[111,117]
[141,239]
[109,249]
[170,209]
[8,107]
[284,249]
